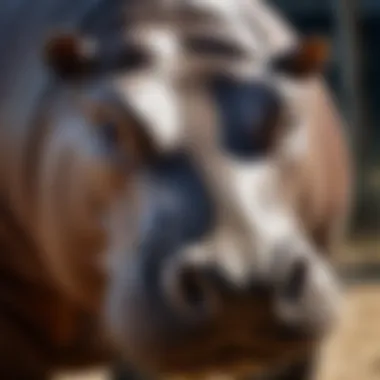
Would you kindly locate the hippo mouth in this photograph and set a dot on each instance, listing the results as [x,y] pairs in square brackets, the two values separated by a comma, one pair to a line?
[233,361]
[246,357]
[241,338]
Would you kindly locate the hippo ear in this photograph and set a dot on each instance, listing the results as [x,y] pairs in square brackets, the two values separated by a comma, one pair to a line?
[309,57]
[70,55]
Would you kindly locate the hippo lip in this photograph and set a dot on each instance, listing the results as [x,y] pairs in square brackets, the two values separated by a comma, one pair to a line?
[237,347]
[231,362]
[235,358]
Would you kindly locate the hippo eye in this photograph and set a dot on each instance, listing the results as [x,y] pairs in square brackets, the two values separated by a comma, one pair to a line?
[121,134]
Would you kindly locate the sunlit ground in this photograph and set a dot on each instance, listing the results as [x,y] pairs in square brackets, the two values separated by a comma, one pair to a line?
[353,350]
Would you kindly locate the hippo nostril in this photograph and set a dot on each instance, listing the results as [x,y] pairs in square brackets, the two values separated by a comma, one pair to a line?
[192,288]
[190,291]
[295,283]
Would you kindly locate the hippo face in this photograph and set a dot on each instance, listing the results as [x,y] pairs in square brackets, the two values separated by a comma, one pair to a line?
[189,148]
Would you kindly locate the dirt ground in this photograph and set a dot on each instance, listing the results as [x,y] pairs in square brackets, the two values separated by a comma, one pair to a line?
[353,350]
